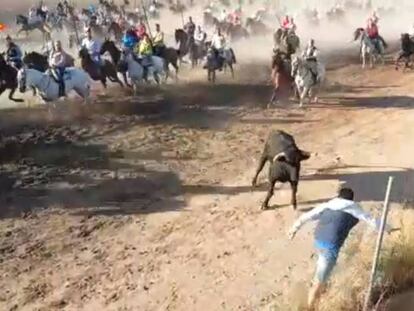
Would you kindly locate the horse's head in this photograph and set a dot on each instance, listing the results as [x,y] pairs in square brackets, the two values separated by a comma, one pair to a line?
[358,33]
[83,53]
[405,37]
[179,35]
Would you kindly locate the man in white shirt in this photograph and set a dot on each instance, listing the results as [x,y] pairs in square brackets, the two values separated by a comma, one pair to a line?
[335,218]
[311,54]
[93,47]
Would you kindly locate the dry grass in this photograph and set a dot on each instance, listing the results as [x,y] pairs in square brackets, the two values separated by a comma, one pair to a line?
[395,273]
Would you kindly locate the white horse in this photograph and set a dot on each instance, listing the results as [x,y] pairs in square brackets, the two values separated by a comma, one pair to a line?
[368,48]
[48,89]
[305,80]
[136,71]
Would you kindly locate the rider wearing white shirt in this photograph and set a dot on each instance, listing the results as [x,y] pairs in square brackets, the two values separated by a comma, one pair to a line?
[93,47]
[311,54]
[199,35]
[218,41]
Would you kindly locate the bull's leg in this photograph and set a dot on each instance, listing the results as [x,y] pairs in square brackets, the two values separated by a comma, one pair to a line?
[269,195]
[294,186]
[262,163]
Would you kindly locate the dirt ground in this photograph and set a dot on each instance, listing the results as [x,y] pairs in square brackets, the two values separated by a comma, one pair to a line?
[145,203]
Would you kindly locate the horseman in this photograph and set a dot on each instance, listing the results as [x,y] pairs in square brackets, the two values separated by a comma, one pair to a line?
[141,30]
[287,25]
[58,61]
[14,54]
[218,42]
[158,40]
[200,36]
[311,56]
[93,47]
[60,10]
[130,40]
[189,28]
[145,52]
[34,17]
[373,35]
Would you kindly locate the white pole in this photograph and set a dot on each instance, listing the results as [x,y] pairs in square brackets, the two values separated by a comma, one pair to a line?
[379,244]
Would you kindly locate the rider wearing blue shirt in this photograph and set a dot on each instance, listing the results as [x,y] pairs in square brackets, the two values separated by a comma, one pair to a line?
[14,54]
[336,218]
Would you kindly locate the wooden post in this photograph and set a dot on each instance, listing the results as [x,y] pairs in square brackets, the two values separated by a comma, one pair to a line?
[379,244]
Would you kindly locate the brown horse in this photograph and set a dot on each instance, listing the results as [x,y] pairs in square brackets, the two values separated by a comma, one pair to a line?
[96,72]
[281,78]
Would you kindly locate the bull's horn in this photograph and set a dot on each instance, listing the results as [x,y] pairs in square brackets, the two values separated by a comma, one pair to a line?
[278,156]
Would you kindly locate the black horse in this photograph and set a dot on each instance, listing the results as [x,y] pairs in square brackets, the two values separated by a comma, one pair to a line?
[116,31]
[96,72]
[8,79]
[407,51]
[40,62]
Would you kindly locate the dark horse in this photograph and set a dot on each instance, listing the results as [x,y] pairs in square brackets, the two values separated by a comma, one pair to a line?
[282,79]
[287,41]
[8,79]
[189,46]
[96,72]
[407,51]
[110,47]
[116,30]
[24,22]
[40,62]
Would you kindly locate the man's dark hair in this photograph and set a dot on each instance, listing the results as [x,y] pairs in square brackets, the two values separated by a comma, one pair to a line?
[346,193]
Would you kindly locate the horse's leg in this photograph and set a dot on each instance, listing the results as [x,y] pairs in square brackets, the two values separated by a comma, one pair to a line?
[124,76]
[103,81]
[231,70]
[17,100]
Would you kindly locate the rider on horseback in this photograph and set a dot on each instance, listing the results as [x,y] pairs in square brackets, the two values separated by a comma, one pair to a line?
[13,54]
[145,53]
[93,47]
[33,17]
[200,36]
[287,25]
[141,30]
[158,41]
[311,56]
[58,61]
[373,33]
[130,40]
[218,42]
[190,29]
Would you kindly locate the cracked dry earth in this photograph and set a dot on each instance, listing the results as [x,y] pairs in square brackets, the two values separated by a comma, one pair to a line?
[146,204]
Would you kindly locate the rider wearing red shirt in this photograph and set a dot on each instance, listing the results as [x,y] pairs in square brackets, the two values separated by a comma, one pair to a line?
[372,30]
[286,22]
